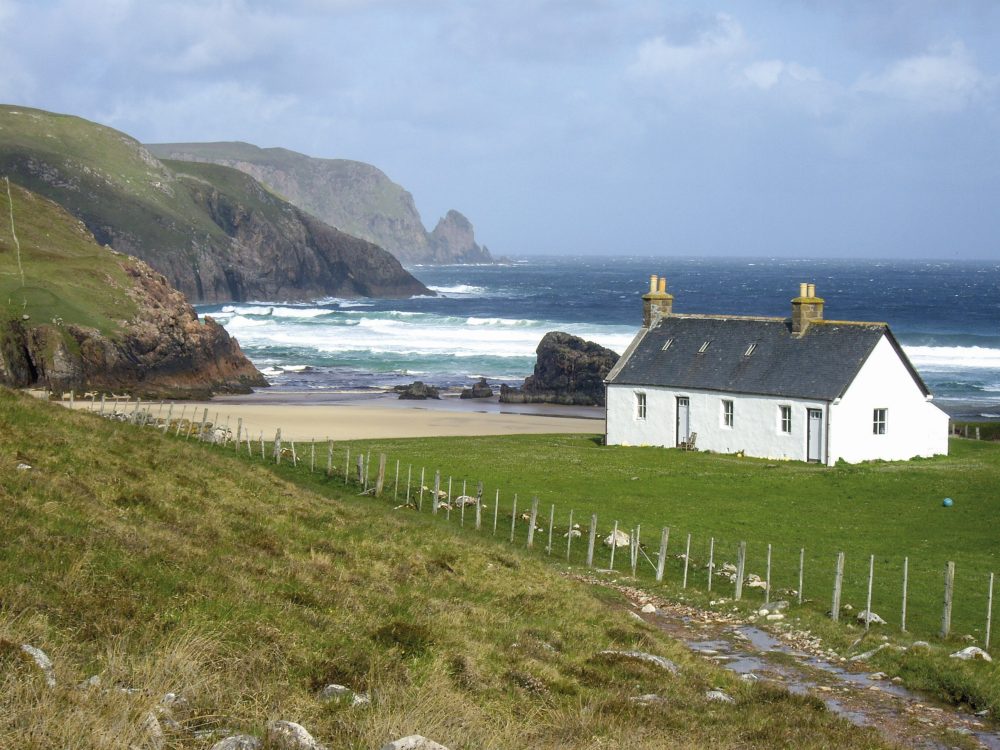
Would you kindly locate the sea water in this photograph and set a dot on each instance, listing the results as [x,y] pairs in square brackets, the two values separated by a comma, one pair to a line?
[486,321]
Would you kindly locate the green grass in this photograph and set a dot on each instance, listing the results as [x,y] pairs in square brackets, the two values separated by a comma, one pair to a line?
[67,276]
[168,566]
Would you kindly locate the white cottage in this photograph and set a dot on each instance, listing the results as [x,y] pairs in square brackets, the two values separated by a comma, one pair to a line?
[805,388]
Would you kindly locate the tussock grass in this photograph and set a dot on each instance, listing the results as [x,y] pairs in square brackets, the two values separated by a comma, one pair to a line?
[164,567]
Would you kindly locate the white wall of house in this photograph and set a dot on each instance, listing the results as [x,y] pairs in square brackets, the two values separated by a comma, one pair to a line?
[914,426]
[756,430]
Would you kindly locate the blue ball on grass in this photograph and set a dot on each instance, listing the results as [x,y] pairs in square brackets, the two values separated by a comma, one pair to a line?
[947,502]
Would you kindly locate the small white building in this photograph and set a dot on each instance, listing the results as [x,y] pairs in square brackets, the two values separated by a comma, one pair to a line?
[800,388]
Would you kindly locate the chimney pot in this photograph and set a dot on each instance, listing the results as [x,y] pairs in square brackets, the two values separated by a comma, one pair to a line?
[663,285]
[803,290]
[806,308]
[652,283]
[812,290]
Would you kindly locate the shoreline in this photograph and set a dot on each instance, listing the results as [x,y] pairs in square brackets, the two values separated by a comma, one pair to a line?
[302,416]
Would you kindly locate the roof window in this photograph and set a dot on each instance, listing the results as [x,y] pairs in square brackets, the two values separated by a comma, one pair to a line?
[667,344]
[704,347]
[750,349]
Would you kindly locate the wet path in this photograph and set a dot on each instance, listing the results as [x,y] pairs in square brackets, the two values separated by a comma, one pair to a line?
[797,661]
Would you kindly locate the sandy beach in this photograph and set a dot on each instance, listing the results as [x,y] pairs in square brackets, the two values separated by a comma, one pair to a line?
[304,416]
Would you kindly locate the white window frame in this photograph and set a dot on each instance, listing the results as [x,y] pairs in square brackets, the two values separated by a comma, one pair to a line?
[728,413]
[785,419]
[640,405]
[880,421]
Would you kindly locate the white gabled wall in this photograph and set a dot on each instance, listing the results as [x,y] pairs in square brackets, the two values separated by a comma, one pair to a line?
[915,426]
[756,426]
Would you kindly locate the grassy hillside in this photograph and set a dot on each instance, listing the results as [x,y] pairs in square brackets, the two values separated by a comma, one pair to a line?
[216,235]
[66,275]
[165,567]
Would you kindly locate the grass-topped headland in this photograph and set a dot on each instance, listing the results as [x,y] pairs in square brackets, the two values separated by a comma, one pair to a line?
[166,566]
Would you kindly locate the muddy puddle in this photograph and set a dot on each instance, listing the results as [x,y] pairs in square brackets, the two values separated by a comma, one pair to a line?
[862,697]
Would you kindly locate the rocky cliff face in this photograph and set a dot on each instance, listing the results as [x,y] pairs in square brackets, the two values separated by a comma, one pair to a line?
[215,232]
[164,351]
[569,370]
[355,197]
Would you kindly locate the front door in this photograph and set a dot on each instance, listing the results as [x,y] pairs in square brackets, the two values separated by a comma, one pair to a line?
[683,421]
[814,439]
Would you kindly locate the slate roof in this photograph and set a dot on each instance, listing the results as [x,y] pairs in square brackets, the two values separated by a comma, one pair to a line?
[820,365]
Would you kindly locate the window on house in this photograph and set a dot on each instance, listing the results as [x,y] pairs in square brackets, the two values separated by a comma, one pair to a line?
[667,344]
[786,419]
[750,349]
[704,347]
[640,406]
[880,421]
[727,413]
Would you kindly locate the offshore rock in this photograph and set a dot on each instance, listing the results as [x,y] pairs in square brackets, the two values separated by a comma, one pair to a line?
[568,370]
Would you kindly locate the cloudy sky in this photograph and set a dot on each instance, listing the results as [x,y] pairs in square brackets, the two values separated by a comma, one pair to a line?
[857,128]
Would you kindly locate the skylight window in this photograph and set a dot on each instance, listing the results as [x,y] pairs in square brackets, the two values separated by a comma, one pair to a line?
[704,347]
[667,344]
[750,349]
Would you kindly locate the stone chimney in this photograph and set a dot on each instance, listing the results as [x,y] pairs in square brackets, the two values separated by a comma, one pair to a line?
[656,303]
[806,308]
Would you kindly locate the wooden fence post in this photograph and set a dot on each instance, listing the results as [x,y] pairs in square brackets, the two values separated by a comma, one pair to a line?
[614,546]
[767,583]
[531,522]
[447,507]
[420,498]
[592,537]
[569,535]
[409,480]
[395,489]
[329,457]
[513,519]
[802,570]
[347,464]
[103,397]
[239,430]
[741,561]
[687,560]
[437,489]
[261,438]
[633,550]
[277,446]
[949,593]
[868,601]
[479,506]
[368,467]
[361,471]
[312,456]
[380,477]
[661,559]
[838,582]
[552,522]
[496,512]
[295,455]
[711,561]
[989,614]
[906,582]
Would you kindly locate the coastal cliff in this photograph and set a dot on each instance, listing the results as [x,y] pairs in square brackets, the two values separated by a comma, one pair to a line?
[355,197]
[568,370]
[76,315]
[214,232]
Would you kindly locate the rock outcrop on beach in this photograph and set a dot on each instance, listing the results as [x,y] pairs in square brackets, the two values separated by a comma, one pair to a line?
[480,389]
[418,391]
[216,233]
[355,197]
[568,370]
[87,317]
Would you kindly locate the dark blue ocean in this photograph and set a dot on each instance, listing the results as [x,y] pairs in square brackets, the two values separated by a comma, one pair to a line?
[487,320]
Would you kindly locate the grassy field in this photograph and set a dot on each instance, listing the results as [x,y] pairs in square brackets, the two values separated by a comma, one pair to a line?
[890,510]
[161,565]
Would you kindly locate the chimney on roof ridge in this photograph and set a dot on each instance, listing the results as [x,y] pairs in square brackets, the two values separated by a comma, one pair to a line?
[806,308]
[657,302]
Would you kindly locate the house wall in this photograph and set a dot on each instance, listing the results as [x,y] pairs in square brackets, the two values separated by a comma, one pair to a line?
[756,426]
[915,426]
